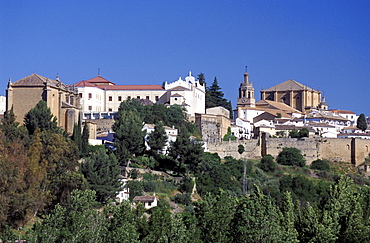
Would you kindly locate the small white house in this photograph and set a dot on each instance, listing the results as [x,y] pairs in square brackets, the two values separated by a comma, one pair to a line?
[242,129]
[149,201]
[124,194]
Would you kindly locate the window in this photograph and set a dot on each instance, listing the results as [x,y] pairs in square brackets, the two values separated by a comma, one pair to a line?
[119,98]
[138,97]
[156,98]
[80,94]
[90,108]
[110,109]
[90,95]
[110,98]
[128,97]
[147,97]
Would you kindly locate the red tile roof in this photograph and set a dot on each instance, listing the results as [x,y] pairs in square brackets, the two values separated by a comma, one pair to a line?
[100,80]
[132,87]
[342,111]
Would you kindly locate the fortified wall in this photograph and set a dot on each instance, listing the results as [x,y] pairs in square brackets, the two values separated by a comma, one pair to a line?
[102,125]
[347,150]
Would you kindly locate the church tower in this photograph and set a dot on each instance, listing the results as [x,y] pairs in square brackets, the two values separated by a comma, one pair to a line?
[246,93]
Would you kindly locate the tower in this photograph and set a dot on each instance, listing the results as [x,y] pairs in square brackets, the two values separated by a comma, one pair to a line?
[246,93]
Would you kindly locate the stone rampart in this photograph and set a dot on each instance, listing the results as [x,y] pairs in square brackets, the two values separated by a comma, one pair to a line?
[345,150]
[230,148]
[102,125]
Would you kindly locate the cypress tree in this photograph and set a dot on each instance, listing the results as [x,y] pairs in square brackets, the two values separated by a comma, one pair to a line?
[361,122]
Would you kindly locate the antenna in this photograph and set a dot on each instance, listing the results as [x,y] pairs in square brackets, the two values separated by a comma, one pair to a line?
[98,72]
[246,69]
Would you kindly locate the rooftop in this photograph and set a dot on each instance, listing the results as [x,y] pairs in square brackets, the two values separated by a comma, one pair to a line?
[289,85]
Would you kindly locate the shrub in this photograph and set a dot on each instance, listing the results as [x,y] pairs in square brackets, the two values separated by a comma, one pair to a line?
[320,165]
[149,186]
[134,174]
[267,163]
[291,156]
[186,185]
[183,199]
[304,132]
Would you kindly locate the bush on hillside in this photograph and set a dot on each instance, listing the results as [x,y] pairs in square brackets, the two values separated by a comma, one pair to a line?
[320,165]
[267,163]
[291,156]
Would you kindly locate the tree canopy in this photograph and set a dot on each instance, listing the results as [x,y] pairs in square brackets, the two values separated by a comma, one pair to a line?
[361,122]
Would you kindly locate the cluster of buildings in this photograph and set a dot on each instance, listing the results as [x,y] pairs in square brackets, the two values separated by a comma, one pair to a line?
[282,108]
[288,106]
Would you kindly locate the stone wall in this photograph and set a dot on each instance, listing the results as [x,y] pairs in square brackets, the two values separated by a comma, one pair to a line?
[310,148]
[252,148]
[333,149]
[102,125]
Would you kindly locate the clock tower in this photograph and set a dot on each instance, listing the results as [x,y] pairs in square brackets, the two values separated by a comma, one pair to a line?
[246,93]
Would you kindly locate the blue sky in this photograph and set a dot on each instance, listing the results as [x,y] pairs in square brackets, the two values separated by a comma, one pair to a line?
[322,44]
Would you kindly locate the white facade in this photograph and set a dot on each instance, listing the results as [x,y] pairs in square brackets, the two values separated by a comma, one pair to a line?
[242,129]
[2,104]
[101,98]
[124,194]
[324,130]
[249,114]
[188,93]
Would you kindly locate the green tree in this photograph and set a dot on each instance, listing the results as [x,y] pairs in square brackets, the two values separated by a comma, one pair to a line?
[241,149]
[77,134]
[267,163]
[304,132]
[320,165]
[158,138]
[294,133]
[361,122]
[257,219]
[78,221]
[129,135]
[214,216]
[102,172]
[201,79]
[228,136]
[122,226]
[85,149]
[215,97]
[291,156]
[40,117]
[186,151]
[11,128]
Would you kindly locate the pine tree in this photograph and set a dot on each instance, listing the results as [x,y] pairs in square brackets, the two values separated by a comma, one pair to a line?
[158,138]
[85,140]
[361,122]
[40,117]
[77,135]
[102,174]
[201,79]
[129,135]
[11,128]
[215,97]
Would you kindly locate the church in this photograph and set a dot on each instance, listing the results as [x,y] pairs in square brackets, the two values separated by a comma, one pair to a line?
[287,99]
[63,101]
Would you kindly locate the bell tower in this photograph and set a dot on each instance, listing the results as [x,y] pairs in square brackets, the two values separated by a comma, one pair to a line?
[246,93]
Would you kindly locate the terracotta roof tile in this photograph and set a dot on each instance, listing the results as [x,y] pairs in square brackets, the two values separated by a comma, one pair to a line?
[289,85]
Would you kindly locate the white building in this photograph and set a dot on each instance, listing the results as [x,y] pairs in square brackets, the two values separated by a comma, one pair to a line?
[101,98]
[2,104]
[188,93]
[124,194]
[242,129]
